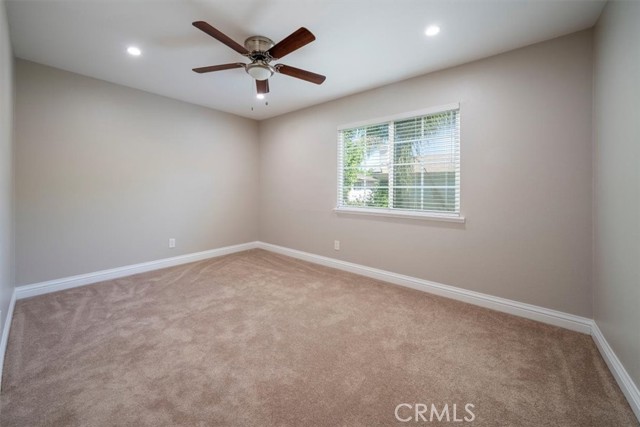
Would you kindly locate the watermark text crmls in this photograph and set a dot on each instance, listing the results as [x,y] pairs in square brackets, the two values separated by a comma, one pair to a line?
[424,412]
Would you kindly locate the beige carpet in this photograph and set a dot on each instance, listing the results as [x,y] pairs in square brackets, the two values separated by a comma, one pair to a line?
[258,339]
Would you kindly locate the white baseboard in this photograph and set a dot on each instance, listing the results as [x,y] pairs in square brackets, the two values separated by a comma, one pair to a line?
[545,315]
[5,332]
[628,387]
[541,314]
[49,286]
[528,311]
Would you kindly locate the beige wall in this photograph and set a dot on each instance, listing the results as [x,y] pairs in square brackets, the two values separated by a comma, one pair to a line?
[6,168]
[617,181]
[107,174]
[526,179]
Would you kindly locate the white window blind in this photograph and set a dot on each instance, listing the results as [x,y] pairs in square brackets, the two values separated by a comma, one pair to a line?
[409,164]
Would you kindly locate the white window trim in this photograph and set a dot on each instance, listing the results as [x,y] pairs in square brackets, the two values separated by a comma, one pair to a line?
[400,116]
[399,213]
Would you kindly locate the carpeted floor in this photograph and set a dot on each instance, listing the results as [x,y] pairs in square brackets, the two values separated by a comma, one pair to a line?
[258,339]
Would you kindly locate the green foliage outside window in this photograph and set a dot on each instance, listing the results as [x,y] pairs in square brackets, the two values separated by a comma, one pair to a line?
[421,161]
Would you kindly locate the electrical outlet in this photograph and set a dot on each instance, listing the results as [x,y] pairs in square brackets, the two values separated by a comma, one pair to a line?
[172,243]
[336,245]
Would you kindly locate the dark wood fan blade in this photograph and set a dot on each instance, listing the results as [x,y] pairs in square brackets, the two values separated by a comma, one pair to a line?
[218,35]
[300,74]
[218,67]
[294,41]
[262,86]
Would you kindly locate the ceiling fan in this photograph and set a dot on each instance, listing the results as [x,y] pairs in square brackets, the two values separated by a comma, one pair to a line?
[261,51]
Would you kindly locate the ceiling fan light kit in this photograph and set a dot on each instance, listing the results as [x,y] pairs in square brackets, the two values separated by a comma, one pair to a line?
[260,70]
[261,51]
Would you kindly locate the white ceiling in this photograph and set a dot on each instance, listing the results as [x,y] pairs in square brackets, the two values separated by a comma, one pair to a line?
[360,44]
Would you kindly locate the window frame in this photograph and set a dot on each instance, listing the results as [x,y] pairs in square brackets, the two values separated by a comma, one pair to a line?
[396,212]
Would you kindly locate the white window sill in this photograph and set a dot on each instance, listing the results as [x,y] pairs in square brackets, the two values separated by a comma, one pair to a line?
[428,216]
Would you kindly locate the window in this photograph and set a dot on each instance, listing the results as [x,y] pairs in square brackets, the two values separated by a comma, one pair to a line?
[404,165]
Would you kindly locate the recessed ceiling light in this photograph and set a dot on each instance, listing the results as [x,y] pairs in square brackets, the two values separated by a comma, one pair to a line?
[134,51]
[432,30]
[260,96]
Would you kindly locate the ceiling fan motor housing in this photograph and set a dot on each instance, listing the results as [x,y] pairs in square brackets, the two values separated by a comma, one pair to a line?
[259,68]
[258,45]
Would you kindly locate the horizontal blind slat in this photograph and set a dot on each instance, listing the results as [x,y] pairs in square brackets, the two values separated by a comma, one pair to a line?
[425,165]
